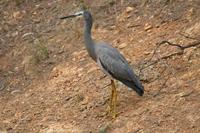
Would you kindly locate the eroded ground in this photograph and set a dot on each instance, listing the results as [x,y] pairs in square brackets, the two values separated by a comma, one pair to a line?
[49,84]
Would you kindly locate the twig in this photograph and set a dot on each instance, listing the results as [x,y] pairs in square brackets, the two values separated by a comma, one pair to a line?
[193,44]
[149,62]
[182,48]
[169,43]
[106,86]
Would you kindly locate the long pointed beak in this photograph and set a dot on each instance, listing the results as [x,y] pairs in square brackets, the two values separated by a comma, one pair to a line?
[74,15]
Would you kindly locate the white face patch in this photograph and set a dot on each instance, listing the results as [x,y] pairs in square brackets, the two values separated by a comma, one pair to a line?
[79,13]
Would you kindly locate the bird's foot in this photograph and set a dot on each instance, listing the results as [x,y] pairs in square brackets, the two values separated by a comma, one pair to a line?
[111,112]
[114,114]
[111,109]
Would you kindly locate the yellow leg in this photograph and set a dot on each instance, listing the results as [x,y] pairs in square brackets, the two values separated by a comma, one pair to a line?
[114,99]
[110,107]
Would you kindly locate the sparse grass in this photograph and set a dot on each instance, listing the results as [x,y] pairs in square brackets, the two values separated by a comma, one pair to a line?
[40,51]
[104,129]
[18,2]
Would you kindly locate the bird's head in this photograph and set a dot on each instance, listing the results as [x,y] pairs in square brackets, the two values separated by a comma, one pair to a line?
[86,14]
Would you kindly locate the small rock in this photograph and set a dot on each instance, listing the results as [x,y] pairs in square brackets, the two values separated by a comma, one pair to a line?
[80,74]
[147,27]
[61,51]
[34,13]
[17,14]
[15,91]
[92,69]
[75,80]
[74,59]
[129,9]
[129,60]
[112,27]
[147,53]
[123,45]
[14,34]
[16,69]
[128,16]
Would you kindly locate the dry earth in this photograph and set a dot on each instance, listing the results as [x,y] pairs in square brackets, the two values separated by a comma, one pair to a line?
[48,84]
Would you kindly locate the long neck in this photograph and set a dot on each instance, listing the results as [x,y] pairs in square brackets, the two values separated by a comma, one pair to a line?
[89,43]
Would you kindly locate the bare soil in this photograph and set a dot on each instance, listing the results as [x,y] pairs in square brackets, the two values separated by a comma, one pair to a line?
[48,83]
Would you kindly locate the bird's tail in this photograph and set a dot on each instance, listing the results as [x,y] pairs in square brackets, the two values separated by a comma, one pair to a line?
[135,86]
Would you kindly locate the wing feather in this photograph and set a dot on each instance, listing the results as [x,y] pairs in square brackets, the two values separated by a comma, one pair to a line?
[117,66]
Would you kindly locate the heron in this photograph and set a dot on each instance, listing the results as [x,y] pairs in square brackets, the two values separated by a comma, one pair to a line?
[110,61]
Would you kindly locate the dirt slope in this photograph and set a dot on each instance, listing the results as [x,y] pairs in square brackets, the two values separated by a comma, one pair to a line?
[49,84]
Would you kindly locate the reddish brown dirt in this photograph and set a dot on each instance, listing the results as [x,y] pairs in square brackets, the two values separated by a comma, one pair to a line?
[49,84]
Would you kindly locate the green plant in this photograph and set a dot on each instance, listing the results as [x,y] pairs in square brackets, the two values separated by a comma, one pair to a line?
[40,51]
[18,2]
[104,129]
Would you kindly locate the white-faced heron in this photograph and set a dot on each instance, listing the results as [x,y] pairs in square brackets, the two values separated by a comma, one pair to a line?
[111,62]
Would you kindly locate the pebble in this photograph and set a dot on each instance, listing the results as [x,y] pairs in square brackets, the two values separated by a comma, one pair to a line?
[147,53]
[80,74]
[15,91]
[92,69]
[147,27]
[123,45]
[129,9]
[17,14]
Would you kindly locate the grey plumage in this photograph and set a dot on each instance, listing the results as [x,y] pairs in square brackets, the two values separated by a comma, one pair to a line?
[116,65]
[108,58]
